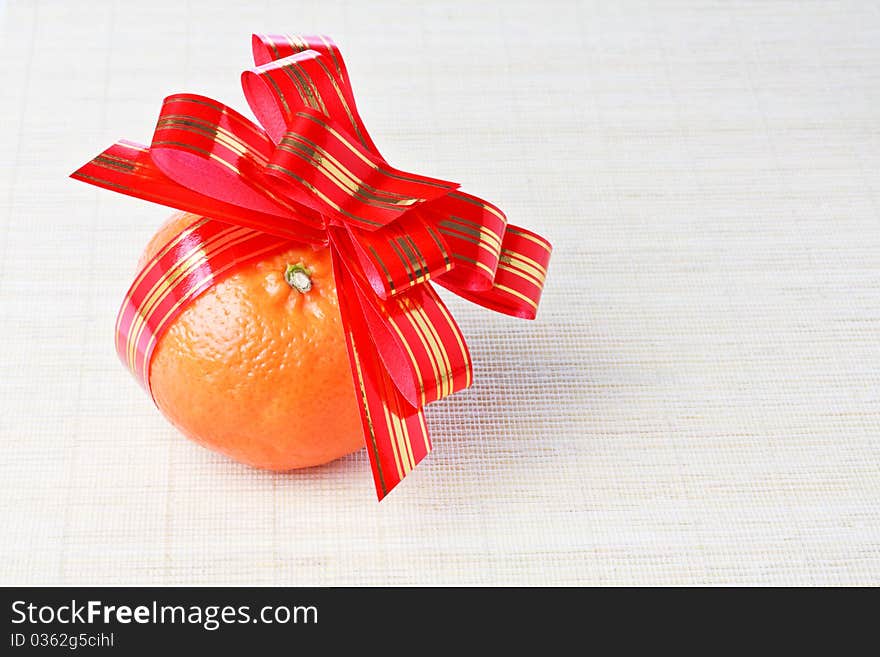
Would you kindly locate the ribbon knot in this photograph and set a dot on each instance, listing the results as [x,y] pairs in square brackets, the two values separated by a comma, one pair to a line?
[310,172]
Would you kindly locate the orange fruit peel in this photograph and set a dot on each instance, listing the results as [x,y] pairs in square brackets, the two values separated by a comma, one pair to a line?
[256,367]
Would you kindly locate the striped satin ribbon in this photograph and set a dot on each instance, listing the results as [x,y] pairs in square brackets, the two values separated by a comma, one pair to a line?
[309,172]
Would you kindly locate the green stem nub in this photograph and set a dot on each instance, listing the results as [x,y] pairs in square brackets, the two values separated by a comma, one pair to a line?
[298,277]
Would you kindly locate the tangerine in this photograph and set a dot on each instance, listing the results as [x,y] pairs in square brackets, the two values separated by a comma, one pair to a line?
[257,368]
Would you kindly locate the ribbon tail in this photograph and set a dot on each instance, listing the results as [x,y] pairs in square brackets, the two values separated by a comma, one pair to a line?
[128,168]
[394,430]
[417,339]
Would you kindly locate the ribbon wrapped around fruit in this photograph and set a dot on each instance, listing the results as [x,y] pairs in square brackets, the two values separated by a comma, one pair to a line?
[305,198]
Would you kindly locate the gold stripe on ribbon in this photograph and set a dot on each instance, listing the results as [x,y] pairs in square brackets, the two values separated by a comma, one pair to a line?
[215,132]
[320,194]
[320,153]
[181,268]
[332,50]
[434,346]
[340,176]
[381,262]
[476,263]
[431,330]
[223,110]
[473,228]
[232,167]
[515,293]
[364,158]
[103,182]
[415,363]
[445,230]
[316,102]
[165,250]
[440,245]
[536,240]
[348,112]
[196,289]
[433,359]
[477,202]
[458,338]
[524,263]
[392,431]
[518,272]
[424,432]
[366,406]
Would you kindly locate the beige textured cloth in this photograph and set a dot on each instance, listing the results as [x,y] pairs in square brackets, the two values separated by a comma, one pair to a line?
[697,402]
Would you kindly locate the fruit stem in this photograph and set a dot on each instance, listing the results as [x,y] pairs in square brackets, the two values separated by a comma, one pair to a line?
[298,277]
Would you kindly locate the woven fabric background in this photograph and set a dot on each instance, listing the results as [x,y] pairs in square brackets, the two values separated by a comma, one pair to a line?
[697,403]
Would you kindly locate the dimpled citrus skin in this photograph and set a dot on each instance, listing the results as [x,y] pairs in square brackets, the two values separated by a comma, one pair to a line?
[257,370]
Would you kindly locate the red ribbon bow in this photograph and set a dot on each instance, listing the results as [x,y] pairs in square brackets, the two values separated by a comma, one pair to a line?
[312,174]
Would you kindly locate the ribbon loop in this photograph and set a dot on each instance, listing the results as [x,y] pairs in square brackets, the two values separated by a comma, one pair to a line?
[401,255]
[518,282]
[413,332]
[210,148]
[310,172]
[303,104]
[277,90]
[334,86]
[322,168]
[474,230]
